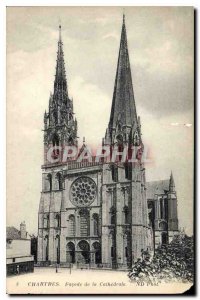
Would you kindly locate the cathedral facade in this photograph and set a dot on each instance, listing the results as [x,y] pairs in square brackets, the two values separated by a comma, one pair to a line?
[99,213]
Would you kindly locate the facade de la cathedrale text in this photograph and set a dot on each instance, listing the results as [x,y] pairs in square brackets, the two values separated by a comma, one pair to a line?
[101,214]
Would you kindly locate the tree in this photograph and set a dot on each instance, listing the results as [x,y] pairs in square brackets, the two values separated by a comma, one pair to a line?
[171,262]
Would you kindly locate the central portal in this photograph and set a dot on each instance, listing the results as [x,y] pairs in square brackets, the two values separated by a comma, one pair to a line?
[83,252]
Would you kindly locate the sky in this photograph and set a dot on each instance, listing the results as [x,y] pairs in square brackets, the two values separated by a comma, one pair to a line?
[160,42]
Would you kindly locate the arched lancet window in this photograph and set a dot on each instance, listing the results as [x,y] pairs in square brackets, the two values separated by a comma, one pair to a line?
[120,146]
[128,171]
[71,225]
[96,224]
[59,181]
[57,220]
[46,221]
[49,178]
[114,170]
[55,142]
[163,209]
[126,215]
[84,222]
[112,216]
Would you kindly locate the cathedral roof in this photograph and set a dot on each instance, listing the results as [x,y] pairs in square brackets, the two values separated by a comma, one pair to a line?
[156,187]
[12,233]
[123,102]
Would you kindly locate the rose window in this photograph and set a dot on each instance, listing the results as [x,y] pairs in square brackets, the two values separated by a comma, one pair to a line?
[83,191]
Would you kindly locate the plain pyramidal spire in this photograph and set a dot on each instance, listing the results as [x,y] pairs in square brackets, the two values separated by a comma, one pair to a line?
[123,102]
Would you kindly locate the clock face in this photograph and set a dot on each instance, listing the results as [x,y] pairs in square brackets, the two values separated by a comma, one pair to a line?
[83,191]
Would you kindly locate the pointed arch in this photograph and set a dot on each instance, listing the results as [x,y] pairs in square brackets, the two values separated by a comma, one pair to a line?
[72,225]
[112,216]
[59,182]
[126,214]
[70,252]
[57,218]
[55,143]
[46,221]
[84,222]
[49,179]
[95,224]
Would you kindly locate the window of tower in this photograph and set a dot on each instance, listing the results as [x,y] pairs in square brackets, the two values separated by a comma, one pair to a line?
[120,146]
[59,181]
[126,215]
[57,220]
[46,221]
[127,169]
[114,170]
[112,216]
[55,143]
[49,178]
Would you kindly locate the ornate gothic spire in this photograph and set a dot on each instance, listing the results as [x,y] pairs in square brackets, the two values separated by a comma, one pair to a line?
[61,123]
[123,103]
[60,83]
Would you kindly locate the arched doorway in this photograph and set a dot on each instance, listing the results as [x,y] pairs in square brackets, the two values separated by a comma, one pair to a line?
[97,252]
[84,252]
[70,253]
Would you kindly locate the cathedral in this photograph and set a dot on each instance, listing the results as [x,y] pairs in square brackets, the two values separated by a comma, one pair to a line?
[100,213]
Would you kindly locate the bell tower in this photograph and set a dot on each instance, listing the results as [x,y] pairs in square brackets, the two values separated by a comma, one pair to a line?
[124,188]
[60,126]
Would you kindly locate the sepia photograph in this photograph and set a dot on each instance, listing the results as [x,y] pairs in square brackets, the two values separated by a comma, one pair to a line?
[100,150]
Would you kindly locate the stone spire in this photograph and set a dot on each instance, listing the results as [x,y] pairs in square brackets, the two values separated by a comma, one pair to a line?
[171,183]
[60,126]
[123,103]
[60,83]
